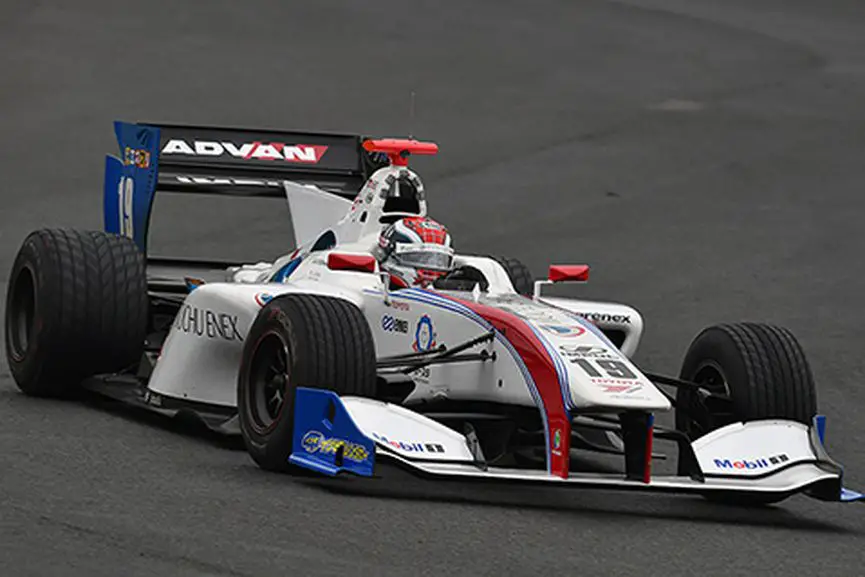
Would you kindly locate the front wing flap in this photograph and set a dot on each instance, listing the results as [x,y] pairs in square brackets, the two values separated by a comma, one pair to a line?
[773,458]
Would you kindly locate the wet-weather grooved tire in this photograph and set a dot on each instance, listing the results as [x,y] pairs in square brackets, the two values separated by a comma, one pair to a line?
[76,306]
[299,341]
[761,367]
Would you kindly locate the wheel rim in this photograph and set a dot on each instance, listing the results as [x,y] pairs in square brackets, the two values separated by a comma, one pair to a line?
[21,314]
[710,377]
[268,381]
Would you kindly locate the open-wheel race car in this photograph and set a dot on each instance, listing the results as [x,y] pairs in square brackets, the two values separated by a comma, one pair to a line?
[373,340]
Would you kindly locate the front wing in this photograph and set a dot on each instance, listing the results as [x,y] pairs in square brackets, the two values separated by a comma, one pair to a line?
[772,458]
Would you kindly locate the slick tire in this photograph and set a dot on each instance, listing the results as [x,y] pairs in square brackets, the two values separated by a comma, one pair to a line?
[520,275]
[76,306]
[761,368]
[298,340]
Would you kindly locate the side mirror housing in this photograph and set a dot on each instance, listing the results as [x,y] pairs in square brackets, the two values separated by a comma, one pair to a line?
[563,273]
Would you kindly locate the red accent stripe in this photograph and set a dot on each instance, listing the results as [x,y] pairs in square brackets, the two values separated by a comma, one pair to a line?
[398,282]
[647,469]
[543,372]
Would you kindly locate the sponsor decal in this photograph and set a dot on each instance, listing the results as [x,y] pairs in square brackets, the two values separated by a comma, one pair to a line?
[606,318]
[391,324]
[586,352]
[548,320]
[557,442]
[410,446]
[261,299]
[317,442]
[618,389]
[424,335]
[562,330]
[398,305]
[136,157]
[207,323]
[367,192]
[301,153]
[421,375]
[152,398]
[753,464]
[192,283]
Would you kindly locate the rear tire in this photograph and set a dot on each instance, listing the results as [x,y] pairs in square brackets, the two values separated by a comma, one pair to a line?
[762,369]
[520,275]
[76,306]
[299,340]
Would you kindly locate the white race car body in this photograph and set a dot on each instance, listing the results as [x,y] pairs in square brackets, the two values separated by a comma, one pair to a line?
[201,355]
[551,355]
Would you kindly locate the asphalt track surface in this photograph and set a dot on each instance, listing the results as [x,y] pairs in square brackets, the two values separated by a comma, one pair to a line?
[707,158]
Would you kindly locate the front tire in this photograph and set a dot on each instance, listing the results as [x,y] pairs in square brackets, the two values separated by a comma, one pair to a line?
[298,341]
[76,306]
[763,371]
[762,368]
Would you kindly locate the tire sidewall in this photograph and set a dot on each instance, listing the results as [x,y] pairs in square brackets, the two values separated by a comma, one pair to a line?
[717,348]
[261,443]
[28,367]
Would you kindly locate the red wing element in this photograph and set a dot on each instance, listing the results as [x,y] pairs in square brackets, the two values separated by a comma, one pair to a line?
[569,272]
[543,372]
[355,262]
[399,149]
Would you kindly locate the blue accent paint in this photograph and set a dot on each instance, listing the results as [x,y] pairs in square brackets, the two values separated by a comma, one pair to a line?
[285,271]
[318,440]
[192,283]
[561,370]
[590,326]
[130,182]
[820,424]
[111,194]
[263,298]
[848,496]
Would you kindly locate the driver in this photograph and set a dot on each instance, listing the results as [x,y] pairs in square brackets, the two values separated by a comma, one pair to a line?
[415,251]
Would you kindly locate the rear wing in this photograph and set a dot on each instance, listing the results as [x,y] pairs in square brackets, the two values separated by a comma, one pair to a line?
[226,161]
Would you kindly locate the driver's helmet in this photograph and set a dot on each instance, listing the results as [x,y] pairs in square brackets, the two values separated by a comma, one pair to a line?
[415,251]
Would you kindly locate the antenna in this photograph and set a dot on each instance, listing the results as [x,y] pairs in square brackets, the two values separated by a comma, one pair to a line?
[411,117]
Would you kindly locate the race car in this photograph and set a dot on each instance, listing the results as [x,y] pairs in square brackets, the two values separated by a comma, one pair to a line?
[372,340]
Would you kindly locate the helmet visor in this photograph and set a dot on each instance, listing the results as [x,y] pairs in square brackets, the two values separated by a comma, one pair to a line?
[424,256]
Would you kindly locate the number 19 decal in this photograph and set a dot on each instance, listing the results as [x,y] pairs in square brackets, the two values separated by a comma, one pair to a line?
[615,369]
[124,197]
